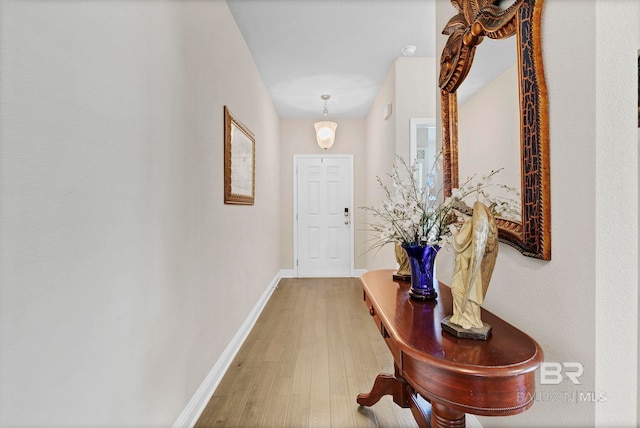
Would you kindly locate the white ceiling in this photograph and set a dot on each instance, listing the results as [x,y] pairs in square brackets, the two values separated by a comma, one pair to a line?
[344,48]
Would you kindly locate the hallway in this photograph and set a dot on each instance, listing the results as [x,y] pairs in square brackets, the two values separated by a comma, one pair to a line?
[311,352]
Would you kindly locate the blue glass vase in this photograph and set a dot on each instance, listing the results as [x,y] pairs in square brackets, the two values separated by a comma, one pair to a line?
[421,261]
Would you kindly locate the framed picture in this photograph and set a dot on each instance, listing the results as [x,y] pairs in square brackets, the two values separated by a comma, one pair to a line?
[239,162]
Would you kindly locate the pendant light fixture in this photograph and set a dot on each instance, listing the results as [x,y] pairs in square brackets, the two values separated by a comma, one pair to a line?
[325,130]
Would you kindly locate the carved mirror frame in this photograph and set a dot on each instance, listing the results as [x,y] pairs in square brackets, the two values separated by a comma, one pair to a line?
[475,20]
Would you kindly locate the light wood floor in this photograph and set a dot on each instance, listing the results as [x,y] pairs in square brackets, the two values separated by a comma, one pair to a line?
[311,352]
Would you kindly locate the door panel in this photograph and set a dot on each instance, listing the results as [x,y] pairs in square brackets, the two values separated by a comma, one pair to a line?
[323,231]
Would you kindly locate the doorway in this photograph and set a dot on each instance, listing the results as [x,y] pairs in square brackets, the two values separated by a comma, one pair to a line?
[323,215]
[423,153]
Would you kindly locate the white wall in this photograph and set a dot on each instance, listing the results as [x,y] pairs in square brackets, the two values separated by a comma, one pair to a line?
[574,305]
[297,136]
[123,273]
[489,132]
[617,30]
[415,96]
[380,155]
[638,218]
[409,89]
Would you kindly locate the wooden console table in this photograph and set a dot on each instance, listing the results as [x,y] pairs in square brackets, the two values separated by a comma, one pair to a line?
[439,376]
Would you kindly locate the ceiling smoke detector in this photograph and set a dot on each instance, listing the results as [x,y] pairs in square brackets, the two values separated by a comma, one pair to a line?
[408,50]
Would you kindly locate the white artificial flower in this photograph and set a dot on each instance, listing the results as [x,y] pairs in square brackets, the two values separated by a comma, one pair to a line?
[408,215]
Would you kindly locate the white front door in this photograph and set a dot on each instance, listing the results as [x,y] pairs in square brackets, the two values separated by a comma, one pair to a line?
[323,230]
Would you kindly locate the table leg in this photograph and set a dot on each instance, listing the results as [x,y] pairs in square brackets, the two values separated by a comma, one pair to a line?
[403,395]
[445,417]
[385,384]
[434,415]
[421,410]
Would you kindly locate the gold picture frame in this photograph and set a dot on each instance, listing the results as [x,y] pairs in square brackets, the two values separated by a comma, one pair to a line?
[239,162]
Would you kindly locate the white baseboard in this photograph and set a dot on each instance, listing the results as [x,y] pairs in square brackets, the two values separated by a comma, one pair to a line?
[291,273]
[198,402]
[287,273]
[357,273]
[473,422]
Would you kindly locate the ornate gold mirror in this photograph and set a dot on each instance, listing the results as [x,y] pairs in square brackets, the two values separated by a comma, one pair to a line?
[497,20]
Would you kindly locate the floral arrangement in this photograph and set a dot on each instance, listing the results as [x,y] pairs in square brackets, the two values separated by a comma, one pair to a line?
[411,215]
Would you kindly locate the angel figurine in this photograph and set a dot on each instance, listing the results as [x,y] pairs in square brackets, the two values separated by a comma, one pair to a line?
[404,271]
[476,247]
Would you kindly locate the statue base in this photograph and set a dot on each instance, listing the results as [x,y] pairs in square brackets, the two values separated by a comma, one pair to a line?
[400,277]
[464,333]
